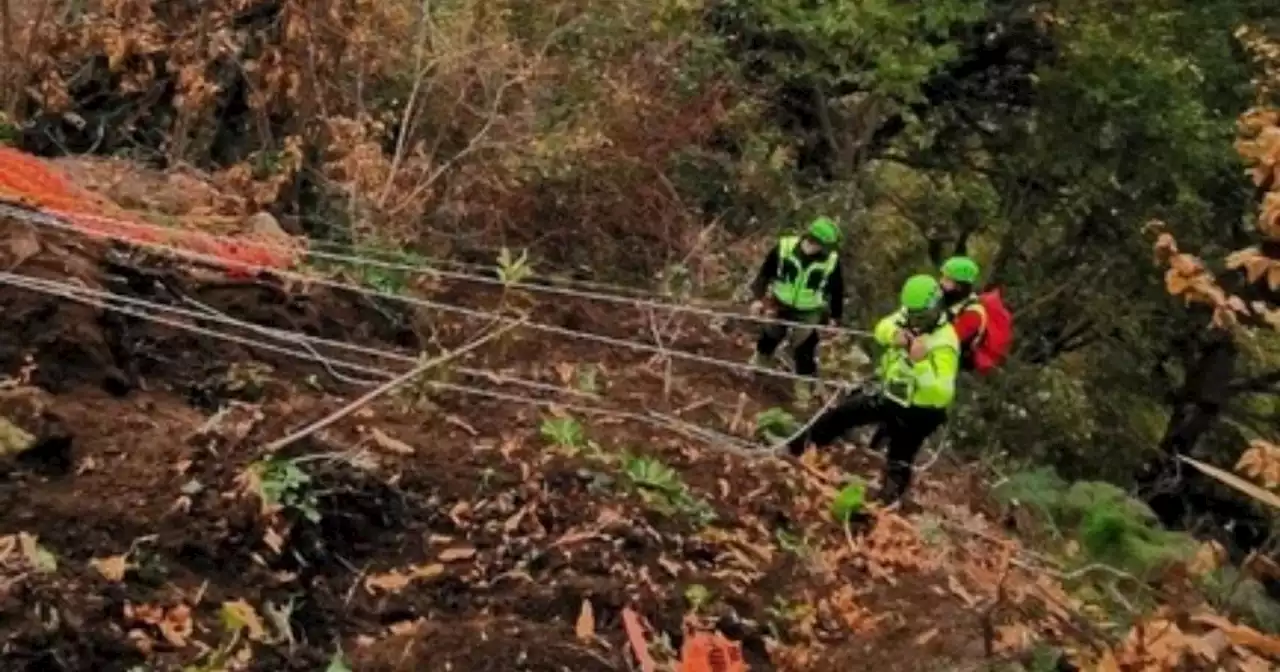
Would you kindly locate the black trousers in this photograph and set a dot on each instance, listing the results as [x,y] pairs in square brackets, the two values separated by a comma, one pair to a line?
[805,352]
[906,427]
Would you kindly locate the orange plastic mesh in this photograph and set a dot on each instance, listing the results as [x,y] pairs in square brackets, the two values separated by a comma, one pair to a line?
[704,652]
[32,182]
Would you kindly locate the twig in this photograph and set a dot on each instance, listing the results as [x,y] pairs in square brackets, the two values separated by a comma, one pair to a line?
[386,387]
[657,339]
[737,413]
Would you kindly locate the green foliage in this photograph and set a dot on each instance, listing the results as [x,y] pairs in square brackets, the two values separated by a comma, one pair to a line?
[662,489]
[588,379]
[513,269]
[284,482]
[9,132]
[698,597]
[877,46]
[784,614]
[565,433]
[1243,597]
[793,543]
[849,501]
[386,279]
[1111,527]
[775,424]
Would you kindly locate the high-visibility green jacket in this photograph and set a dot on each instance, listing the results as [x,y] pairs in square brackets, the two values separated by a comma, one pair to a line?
[798,285]
[930,382]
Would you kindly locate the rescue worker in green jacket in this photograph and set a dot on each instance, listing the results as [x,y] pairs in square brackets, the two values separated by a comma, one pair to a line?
[916,383]
[800,281]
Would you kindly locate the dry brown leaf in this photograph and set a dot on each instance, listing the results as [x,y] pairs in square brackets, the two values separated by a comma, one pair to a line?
[396,580]
[23,245]
[244,614]
[1208,557]
[513,523]
[407,627]
[461,424]
[1014,637]
[457,553]
[141,641]
[111,568]
[1241,635]
[586,626]
[273,539]
[926,637]
[390,443]
[174,624]
[1251,663]
[1209,647]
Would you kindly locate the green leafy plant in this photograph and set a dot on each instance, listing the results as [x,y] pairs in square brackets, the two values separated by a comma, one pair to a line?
[588,379]
[698,597]
[384,278]
[565,433]
[285,483]
[513,270]
[233,644]
[784,614]
[793,543]
[246,380]
[849,502]
[663,489]
[1111,527]
[1243,597]
[775,424]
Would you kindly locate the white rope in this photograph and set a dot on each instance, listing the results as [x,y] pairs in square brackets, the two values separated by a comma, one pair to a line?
[209,313]
[428,263]
[8,279]
[711,437]
[51,221]
[424,269]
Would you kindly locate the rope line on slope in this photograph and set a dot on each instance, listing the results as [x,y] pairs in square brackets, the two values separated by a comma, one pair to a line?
[713,438]
[51,221]
[490,269]
[423,269]
[210,314]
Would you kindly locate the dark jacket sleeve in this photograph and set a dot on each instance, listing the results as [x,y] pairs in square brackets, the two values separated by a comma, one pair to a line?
[835,292]
[768,271]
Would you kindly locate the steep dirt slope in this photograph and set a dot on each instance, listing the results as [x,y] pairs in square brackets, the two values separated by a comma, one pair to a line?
[532,530]
[440,531]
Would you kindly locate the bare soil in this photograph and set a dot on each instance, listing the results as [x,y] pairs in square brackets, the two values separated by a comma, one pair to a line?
[146,435]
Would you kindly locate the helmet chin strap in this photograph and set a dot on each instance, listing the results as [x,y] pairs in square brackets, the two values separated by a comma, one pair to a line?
[959,291]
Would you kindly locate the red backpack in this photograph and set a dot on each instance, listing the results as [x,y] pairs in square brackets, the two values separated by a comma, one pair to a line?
[992,346]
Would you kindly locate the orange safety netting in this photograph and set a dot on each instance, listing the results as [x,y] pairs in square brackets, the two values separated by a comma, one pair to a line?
[703,652]
[33,183]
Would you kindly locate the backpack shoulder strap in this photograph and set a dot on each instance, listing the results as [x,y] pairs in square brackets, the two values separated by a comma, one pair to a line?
[787,246]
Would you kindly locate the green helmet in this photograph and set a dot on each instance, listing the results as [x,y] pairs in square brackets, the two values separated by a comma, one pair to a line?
[824,231]
[921,292]
[961,269]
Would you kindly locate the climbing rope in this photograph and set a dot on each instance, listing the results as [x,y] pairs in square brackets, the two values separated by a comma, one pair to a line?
[209,314]
[96,299]
[426,269]
[52,221]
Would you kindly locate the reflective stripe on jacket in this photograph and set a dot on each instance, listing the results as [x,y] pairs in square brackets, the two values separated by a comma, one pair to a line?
[801,286]
[930,382]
